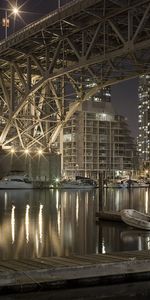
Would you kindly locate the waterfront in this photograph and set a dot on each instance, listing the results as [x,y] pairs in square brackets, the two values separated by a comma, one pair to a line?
[38,223]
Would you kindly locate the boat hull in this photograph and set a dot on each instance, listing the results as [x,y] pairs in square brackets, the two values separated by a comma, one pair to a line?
[16,181]
[80,184]
[76,186]
[125,185]
[11,186]
[135,219]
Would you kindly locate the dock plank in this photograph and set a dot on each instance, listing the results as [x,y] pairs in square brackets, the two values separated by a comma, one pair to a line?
[65,261]
[143,254]
[53,272]
[32,264]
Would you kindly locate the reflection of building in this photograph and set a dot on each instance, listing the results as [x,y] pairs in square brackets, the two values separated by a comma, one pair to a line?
[47,223]
[144,119]
[95,139]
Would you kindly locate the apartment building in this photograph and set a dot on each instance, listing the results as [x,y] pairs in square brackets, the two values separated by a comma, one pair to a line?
[96,140]
[144,120]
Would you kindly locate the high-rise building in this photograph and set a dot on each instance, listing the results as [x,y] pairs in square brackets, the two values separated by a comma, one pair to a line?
[144,120]
[96,140]
[102,95]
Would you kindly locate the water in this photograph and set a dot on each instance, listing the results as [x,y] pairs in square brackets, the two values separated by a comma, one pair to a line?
[35,223]
[40,223]
[134,291]
[50,223]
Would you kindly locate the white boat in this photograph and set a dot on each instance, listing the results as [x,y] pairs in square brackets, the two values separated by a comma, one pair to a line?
[117,184]
[127,184]
[135,218]
[16,181]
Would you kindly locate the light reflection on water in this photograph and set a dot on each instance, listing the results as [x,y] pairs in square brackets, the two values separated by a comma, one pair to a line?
[52,223]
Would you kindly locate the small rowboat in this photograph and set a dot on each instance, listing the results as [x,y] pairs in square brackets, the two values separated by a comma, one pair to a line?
[135,218]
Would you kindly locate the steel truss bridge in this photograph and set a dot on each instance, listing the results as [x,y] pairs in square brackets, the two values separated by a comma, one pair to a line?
[52,65]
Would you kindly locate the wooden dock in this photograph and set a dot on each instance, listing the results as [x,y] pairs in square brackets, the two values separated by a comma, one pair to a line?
[25,275]
[109,215]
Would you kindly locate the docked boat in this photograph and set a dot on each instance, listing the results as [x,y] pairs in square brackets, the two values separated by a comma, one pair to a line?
[77,184]
[117,184]
[16,181]
[133,183]
[127,184]
[135,218]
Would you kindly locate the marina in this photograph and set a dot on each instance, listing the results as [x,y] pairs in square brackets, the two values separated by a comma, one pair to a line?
[19,180]
[75,120]
[51,239]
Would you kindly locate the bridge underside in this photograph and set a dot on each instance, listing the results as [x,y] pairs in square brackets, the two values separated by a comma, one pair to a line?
[65,58]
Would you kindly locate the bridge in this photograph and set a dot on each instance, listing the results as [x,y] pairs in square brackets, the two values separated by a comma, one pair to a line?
[51,66]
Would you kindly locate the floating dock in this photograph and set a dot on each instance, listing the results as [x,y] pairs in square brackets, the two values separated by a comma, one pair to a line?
[109,215]
[26,275]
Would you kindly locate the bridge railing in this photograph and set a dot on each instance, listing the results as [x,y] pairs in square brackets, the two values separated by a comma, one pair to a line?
[38,22]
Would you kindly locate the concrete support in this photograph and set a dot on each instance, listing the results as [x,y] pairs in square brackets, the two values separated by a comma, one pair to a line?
[45,167]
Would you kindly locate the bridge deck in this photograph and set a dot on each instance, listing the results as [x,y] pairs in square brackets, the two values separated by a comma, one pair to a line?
[59,272]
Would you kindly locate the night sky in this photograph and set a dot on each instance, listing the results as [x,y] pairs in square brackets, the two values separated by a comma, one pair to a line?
[125,102]
[124,95]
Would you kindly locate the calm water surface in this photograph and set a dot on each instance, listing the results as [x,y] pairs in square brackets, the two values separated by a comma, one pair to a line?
[54,223]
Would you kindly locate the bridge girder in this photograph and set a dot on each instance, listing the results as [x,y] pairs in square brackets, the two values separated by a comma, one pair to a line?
[51,66]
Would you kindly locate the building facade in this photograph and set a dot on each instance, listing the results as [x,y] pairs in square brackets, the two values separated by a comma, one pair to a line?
[96,140]
[144,120]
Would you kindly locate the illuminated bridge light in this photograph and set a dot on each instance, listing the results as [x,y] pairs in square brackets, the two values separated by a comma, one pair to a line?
[15,10]
[26,151]
[40,151]
[12,150]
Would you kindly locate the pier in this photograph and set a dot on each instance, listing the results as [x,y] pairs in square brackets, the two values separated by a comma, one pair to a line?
[108,215]
[28,275]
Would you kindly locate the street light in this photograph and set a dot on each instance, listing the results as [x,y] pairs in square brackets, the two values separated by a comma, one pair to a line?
[5,21]
[15,10]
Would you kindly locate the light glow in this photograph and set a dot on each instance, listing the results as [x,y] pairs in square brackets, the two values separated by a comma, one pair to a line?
[41,223]
[40,151]
[26,151]
[15,10]
[12,150]
[13,224]
[27,223]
